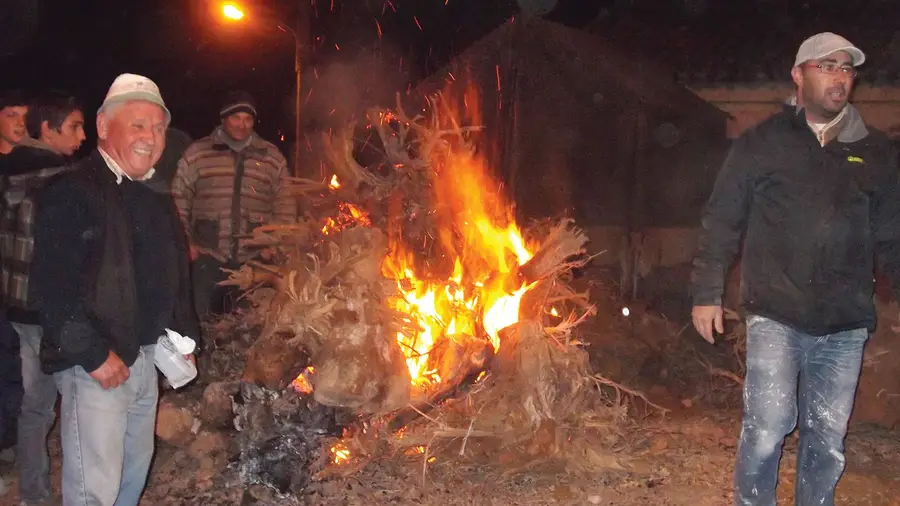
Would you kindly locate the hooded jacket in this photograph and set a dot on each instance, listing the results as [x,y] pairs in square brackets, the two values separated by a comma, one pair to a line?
[24,171]
[812,218]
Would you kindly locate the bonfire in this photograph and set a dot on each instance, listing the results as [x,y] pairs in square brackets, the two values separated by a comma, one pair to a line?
[411,314]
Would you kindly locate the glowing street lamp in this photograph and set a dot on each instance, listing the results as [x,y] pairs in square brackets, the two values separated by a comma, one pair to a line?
[232,11]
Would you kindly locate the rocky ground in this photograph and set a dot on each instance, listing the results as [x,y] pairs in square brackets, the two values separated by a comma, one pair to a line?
[680,457]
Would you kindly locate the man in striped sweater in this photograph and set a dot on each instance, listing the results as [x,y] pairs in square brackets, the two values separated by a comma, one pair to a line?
[227,184]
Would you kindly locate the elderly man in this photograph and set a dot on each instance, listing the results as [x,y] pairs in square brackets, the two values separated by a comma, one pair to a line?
[109,275]
[815,194]
[227,184]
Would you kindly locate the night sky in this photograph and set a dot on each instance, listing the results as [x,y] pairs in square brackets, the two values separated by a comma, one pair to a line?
[183,45]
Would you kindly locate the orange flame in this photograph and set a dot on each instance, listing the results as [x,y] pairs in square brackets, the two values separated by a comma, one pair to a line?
[301,383]
[348,216]
[334,184]
[340,454]
[479,235]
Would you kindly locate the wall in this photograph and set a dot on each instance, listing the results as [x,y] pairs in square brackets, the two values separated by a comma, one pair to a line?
[748,105]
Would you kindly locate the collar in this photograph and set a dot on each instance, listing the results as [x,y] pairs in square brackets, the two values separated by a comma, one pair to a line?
[849,128]
[220,137]
[120,174]
[37,143]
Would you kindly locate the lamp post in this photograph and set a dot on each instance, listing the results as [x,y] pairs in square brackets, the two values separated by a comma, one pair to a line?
[234,12]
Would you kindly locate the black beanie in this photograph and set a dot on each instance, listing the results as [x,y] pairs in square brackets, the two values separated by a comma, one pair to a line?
[238,101]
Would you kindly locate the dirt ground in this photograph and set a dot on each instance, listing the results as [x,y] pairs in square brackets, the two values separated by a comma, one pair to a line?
[682,457]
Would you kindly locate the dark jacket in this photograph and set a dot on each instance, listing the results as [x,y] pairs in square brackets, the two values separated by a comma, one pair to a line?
[110,268]
[812,219]
[22,173]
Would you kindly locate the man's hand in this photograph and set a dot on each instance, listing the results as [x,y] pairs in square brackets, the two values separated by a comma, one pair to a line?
[111,373]
[706,318]
[190,357]
[194,252]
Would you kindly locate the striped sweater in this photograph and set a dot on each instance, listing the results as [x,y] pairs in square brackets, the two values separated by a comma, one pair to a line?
[222,194]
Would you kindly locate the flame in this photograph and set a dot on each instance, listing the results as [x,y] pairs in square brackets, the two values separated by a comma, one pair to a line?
[340,454]
[334,184]
[348,216]
[301,383]
[483,243]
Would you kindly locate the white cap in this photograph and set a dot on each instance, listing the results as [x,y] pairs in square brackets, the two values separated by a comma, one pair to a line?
[128,87]
[825,43]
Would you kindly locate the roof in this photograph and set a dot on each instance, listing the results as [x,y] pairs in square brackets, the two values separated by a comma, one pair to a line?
[586,60]
[742,44]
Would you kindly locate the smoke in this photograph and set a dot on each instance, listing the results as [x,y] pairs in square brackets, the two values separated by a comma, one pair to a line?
[340,90]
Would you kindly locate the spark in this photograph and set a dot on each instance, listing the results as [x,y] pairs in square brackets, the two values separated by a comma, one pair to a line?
[417,22]
[626,311]
[378,27]
[451,75]
[337,47]
[497,69]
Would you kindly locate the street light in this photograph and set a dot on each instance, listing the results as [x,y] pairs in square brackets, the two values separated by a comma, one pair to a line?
[233,12]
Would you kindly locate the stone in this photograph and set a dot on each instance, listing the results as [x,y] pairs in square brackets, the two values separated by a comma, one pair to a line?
[216,406]
[208,444]
[174,424]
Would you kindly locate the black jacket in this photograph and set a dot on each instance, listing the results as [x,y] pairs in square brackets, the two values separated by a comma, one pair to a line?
[110,268]
[812,219]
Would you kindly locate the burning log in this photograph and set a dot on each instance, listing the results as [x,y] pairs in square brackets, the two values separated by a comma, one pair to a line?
[550,380]
[563,243]
[463,366]
[359,367]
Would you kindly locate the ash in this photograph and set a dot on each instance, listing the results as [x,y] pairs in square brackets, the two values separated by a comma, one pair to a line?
[281,436]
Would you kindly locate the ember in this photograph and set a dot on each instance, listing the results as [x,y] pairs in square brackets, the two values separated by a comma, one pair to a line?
[341,454]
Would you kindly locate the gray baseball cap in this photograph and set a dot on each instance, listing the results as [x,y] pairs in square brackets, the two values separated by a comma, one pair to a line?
[823,44]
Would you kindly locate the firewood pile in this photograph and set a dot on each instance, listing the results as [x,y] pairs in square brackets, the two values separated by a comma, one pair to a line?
[380,308]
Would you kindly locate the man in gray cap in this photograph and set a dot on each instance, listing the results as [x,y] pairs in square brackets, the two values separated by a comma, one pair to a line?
[109,275]
[815,195]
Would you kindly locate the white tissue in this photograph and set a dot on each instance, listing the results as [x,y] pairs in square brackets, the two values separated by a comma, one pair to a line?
[184,344]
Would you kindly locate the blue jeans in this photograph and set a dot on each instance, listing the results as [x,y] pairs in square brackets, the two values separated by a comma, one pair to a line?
[107,435]
[36,417]
[793,377]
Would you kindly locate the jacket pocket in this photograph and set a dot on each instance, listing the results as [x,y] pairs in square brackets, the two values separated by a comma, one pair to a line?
[205,233]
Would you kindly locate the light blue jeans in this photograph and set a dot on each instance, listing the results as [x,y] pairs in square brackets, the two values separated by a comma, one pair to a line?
[107,435]
[35,418]
[796,378]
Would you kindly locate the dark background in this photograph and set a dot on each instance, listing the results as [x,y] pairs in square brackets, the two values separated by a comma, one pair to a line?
[80,46]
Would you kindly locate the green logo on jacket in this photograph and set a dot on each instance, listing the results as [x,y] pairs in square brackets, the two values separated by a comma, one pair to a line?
[855,159]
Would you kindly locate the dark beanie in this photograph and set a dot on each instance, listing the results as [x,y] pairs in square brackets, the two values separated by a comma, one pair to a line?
[238,101]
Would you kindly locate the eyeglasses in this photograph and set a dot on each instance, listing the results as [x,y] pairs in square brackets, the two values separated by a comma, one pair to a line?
[834,69]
